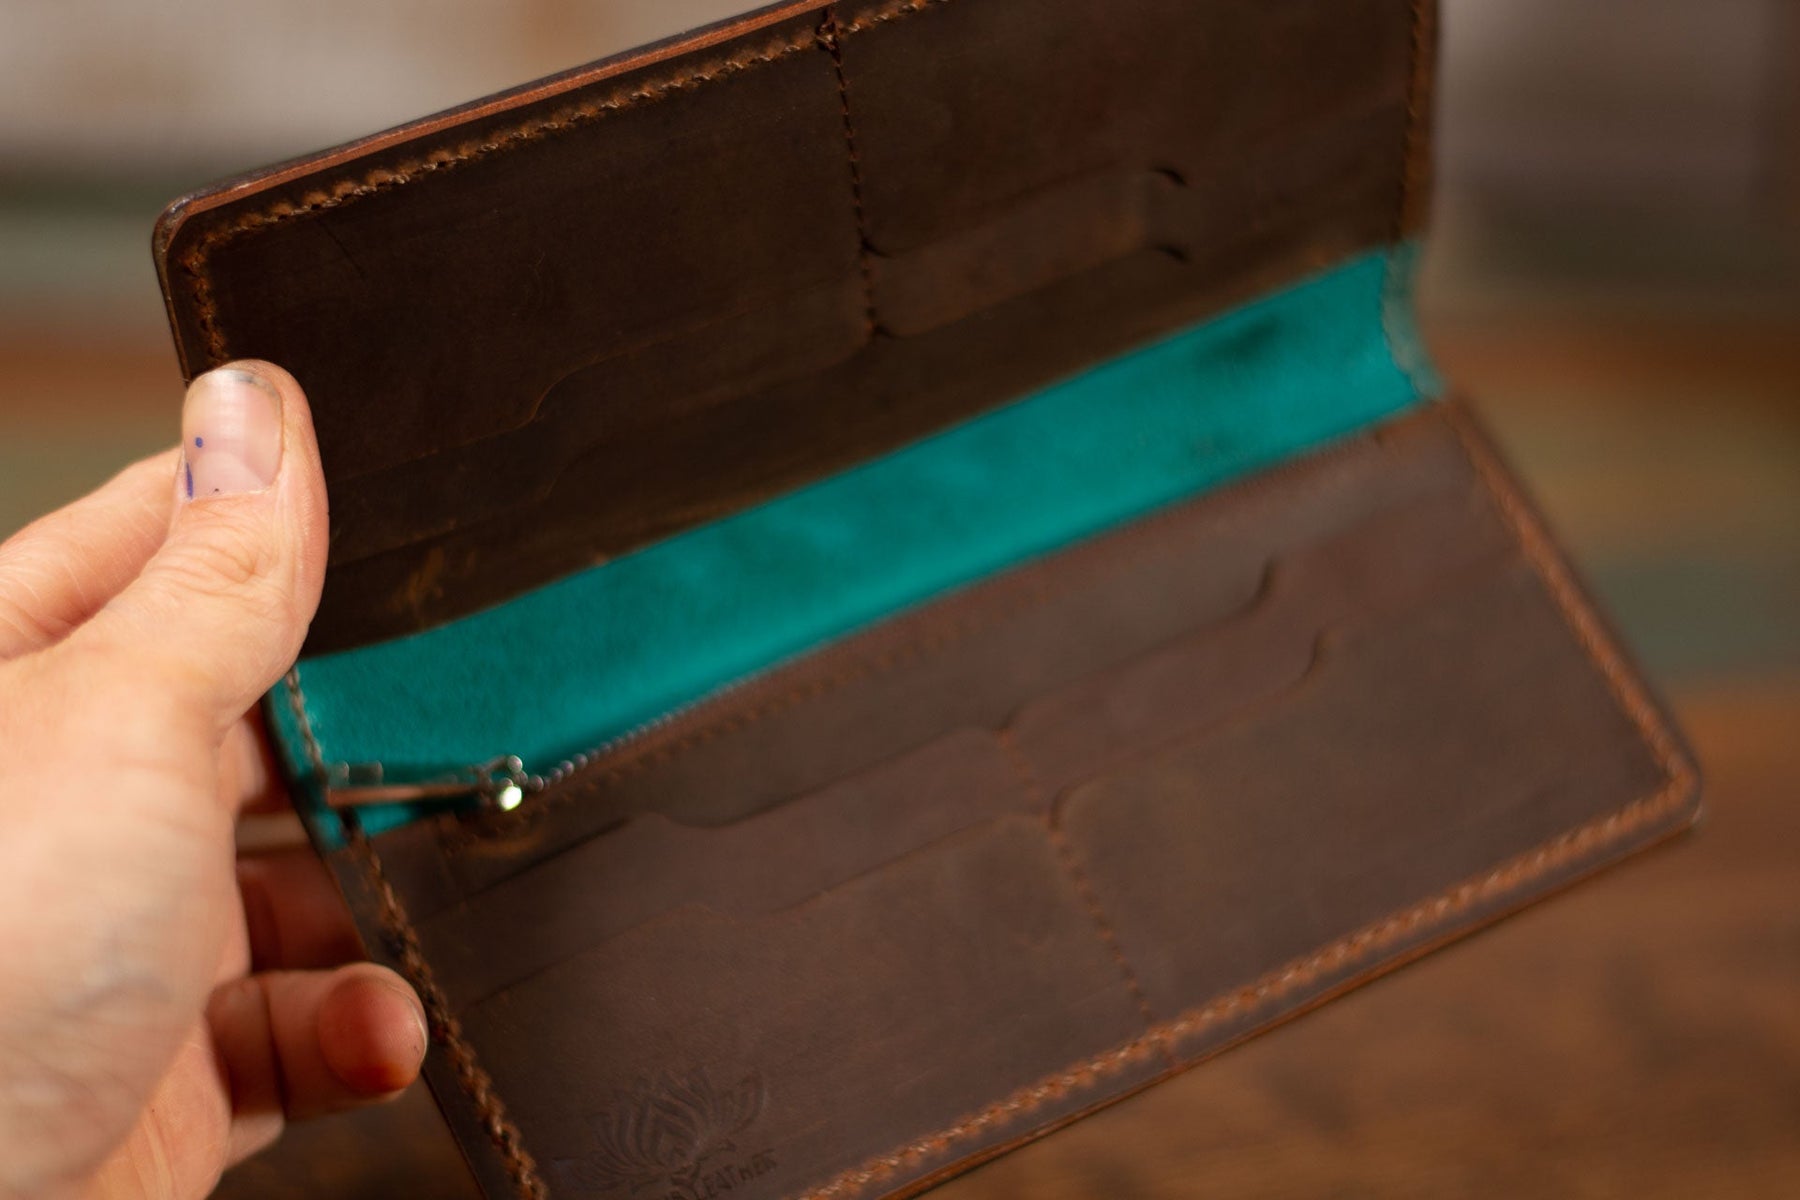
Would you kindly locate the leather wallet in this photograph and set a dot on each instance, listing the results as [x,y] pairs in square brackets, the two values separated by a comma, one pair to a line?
[898,573]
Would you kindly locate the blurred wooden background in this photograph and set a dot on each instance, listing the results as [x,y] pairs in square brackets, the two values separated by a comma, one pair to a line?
[1615,276]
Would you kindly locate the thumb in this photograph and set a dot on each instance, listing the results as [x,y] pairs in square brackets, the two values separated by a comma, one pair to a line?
[220,610]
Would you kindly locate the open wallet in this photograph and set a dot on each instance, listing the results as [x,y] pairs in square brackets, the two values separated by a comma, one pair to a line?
[898,574]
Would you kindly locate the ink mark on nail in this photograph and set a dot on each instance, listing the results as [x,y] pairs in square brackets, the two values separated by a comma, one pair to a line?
[188,468]
[199,442]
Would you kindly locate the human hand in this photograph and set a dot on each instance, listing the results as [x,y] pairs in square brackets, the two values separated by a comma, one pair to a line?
[163,1005]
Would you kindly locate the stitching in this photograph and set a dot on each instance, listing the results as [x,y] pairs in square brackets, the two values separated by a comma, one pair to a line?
[447,1031]
[892,11]
[1555,853]
[1395,322]
[928,643]
[1084,887]
[1558,852]
[315,755]
[831,41]
[448,158]
[1577,614]
[1021,593]
[1274,985]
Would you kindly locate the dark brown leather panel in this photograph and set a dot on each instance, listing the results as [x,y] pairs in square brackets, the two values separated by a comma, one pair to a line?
[974,872]
[1049,92]
[768,861]
[1414,756]
[804,738]
[853,992]
[564,325]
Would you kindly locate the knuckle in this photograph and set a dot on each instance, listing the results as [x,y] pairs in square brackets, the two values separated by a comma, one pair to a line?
[233,555]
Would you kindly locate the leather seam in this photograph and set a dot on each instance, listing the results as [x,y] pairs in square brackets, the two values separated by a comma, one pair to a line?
[1347,951]
[892,11]
[315,754]
[1084,887]
[919,641]
[831,40]
[1577,614]
[381,179]
[445,1029]
[349,189]
[1401,349]
[1586,841]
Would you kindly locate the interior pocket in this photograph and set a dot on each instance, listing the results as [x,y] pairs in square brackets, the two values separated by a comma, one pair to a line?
[908,995]
[1430,745]
[651,865]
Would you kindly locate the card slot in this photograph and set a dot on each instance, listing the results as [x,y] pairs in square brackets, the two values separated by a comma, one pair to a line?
[919,992]
[1392,562]
[652,864]
[1221,672]
[1099,604]
[1430,745]
[1323,569]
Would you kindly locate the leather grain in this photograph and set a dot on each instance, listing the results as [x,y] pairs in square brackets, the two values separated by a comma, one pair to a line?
[557,326]
[938,888]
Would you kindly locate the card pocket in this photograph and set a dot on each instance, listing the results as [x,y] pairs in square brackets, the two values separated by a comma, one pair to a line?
[970,659]
[736,1044]
[1429,747]
[651,865]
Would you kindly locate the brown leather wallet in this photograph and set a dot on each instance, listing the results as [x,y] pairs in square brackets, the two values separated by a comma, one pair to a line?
[988,859]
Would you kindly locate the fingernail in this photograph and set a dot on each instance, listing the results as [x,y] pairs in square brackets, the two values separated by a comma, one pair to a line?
[230,435]
[418,1014]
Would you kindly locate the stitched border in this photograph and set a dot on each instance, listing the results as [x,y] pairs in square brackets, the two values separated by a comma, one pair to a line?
[375,180]
[1084,887]
[1397,330]
[1345,952]
[891,11]
[916,642]
[831,40]
[1437,910]
[1433,912]
[1275,985]
[446,1030]
[1627,691]
[927,641]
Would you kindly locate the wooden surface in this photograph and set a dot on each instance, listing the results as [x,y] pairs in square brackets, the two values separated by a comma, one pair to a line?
[1638,1036]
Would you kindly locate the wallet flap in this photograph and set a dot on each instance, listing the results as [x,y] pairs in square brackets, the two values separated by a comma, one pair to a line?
[910,900]
[549,328]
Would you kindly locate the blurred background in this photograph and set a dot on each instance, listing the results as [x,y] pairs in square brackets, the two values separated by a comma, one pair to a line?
[1614,277]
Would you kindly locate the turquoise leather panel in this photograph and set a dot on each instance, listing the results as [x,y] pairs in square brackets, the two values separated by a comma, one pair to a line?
[574,664]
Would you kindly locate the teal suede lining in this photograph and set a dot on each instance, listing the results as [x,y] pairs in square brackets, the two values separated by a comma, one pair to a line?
[580,661]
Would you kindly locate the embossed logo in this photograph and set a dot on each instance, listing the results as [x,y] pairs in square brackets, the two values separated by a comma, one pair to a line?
[678,1134]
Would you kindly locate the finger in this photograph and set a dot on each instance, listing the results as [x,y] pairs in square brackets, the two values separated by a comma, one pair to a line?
[294,915]
[297,1044]
[177,1148]
[219,611]
[58,571]
[249,779]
